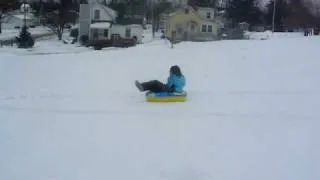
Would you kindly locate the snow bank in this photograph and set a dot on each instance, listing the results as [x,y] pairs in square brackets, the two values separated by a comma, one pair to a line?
[269,35]
[8,34]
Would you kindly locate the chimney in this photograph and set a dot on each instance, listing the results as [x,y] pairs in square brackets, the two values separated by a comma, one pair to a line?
[84,18]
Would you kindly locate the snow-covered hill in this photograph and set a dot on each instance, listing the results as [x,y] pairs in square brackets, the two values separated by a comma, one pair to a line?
[253,112]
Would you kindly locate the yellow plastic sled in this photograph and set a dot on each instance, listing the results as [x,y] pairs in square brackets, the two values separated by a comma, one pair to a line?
[166,97]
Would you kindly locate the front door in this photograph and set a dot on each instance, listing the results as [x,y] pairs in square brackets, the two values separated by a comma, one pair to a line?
[185,35]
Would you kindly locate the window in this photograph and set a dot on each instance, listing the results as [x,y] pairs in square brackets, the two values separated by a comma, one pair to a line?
[208,15]
[95,33]
[97,14]
[204,28]
[193,27]
[106,33]
[209,28]
[180,30]
[128,32]
[173,34]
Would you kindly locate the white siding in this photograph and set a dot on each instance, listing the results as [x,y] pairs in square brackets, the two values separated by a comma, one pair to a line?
[99,34]
[103,14]
[135,31]
[204,12]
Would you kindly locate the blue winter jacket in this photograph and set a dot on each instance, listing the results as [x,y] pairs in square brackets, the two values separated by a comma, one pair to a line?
[176,82]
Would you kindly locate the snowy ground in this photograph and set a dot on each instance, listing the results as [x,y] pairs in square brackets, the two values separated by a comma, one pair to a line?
[253,112]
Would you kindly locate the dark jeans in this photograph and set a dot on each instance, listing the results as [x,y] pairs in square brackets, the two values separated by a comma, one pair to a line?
[156,86]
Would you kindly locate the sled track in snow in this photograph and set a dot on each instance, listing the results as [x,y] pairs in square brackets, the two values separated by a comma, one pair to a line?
[274,92]
[56,96]
[157,114]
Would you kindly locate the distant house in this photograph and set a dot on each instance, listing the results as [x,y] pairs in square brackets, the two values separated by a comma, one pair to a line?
[15,19]
[98,22]
[25,8]
[95,20]
[188,24]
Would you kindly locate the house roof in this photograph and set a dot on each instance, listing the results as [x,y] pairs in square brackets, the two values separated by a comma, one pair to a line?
[21,16]
[189,8]
[112,13]
[197,15]
[100,25]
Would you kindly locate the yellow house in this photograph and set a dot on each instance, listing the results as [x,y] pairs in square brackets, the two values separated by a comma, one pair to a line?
[186,24]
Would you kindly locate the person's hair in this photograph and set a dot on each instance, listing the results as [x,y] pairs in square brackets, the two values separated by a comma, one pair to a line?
[175,70]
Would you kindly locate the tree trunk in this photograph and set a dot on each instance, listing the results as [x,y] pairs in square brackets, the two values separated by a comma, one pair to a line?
[0,23]
[60,32]
[59,36]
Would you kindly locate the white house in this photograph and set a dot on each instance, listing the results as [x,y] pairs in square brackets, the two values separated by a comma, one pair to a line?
[130,31]
[101,19]
[93,12]
[25,8]
[98,22]
[100,31]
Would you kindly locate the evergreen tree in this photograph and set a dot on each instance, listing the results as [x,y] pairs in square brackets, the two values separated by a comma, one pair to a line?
[244,11]
[121,9]
[25,39]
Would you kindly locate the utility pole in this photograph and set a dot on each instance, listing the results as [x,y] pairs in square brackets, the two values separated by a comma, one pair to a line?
[25,13]
[152,18]
[274,14]
[41,13]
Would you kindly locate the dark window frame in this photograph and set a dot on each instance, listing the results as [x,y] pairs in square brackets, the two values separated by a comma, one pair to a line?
[210,28]
[204,28]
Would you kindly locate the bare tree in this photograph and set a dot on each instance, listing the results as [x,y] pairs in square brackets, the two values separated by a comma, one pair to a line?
[301,15]
[1,19]
[203,3]
[63,15]
[6,5]
[314,7]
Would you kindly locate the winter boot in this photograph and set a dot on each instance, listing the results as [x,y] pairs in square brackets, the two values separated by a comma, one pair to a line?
[139,86]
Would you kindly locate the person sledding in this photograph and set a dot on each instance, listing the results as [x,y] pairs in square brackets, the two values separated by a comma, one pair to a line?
[175,84]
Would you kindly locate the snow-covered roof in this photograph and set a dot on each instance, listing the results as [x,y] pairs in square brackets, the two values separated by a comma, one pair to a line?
[25,5]
[111,12]
[100,25]
[21,16]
